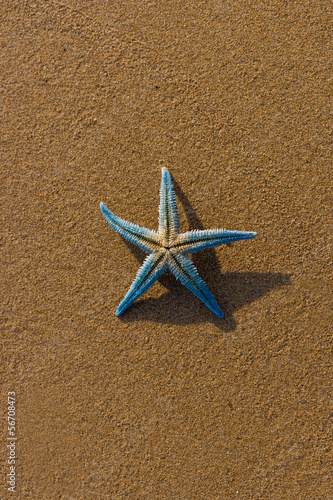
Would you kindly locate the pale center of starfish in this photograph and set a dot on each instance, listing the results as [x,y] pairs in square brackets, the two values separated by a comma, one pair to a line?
[167,247]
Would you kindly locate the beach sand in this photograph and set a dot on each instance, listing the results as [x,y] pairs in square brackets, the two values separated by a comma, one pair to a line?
[167,401]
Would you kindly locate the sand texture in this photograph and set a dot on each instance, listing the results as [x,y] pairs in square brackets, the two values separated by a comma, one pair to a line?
[167,401]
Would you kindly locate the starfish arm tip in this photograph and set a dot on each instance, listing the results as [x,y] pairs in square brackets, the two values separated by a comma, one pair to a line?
[219,314]
[124,304]
[119,311]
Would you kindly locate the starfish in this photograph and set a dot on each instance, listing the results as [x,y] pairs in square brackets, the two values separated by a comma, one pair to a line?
[168,249]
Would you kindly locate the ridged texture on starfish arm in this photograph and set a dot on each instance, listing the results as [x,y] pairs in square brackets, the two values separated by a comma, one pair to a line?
[168,248]
[193,241]
[148,273]
[140,236]
[168,213]
[183,268]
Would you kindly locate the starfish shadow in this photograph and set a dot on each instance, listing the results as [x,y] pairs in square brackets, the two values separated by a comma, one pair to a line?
[178,305]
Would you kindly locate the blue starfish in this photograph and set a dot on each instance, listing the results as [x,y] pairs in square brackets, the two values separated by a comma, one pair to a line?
[168,249]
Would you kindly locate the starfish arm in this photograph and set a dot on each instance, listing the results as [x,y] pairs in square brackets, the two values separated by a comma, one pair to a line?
[182,267]
[151,269]
[193,241]
[168,213]
[140,236]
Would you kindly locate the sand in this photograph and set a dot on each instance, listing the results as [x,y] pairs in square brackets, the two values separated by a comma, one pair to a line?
[167,401]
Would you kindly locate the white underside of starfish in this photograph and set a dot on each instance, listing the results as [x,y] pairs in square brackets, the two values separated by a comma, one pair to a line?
[168,249]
